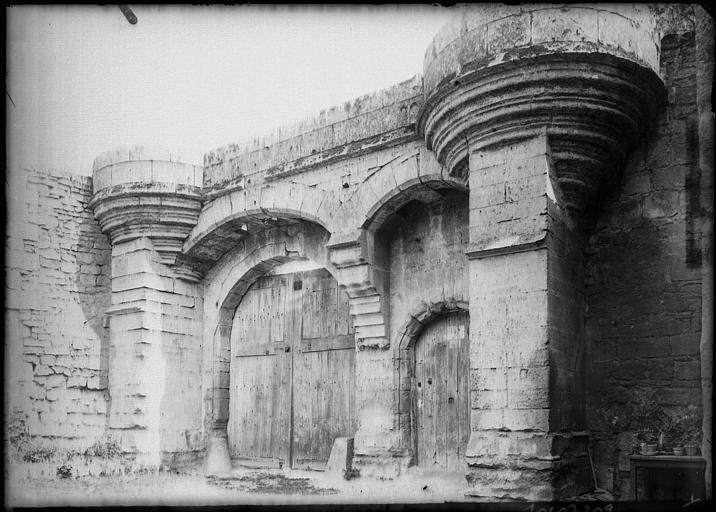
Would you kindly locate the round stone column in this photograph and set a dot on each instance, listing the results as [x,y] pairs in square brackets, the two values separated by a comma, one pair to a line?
[585,76]
[537,105]
[148,202]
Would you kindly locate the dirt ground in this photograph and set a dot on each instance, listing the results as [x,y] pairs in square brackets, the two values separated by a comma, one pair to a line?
[241,486]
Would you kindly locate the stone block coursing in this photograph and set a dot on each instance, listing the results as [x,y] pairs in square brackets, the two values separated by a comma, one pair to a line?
[427,267]
[57,292]
[491,185]
[362,126]
[643,298]
[155,367]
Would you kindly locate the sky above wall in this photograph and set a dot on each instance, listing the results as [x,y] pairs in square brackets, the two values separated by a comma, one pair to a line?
[82,80]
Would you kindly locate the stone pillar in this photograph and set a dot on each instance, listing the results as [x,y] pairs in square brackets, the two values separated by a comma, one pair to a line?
[536,105]
[136,366]
[526,311]
[148,203]
[363,271]
[704,87]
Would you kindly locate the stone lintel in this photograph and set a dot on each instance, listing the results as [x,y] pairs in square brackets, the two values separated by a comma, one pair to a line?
[348,251]
[511,245]
[122,310]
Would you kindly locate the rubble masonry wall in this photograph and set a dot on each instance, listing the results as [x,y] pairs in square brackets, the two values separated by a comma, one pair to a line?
[57,291]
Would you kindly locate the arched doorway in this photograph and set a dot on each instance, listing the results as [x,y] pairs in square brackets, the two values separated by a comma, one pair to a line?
[441,404]
[292,371]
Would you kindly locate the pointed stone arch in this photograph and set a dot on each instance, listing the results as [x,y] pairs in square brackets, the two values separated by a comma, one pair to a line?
[354,247]
[362,256]
[226,284]
[403,354]
[413,175]
[227,219]
[428,312]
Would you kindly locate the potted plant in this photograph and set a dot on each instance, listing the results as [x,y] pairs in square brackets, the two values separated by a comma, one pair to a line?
[649,420]
[691,425]
[684,431]
[648,442]
[675,435]
[677,439]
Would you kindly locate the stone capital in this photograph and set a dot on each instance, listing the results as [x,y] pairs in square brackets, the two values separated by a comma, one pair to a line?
[142,192]
[587,77]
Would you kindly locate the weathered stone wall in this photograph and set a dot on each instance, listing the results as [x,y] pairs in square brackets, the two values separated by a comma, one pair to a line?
[147,201]
[565,283]
[427,261]
[502,32]
[57,291]
[643,276]
[375,190]
[224,287]
[428,268]
[525,329]
[155,380]
[705,40]
[360,126]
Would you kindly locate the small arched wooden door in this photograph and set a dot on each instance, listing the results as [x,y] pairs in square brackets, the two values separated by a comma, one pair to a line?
[292,371]
[441,391]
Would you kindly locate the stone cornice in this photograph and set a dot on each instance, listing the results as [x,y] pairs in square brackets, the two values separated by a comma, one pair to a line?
[137,210]
[592,107]
[507,246]
[486,35]
[137,195]
[283,170]
[496,77]
[377,120]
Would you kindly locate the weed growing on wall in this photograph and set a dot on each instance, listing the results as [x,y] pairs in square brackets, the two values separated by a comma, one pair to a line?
[17,435]
[20,444]
[106,447]
[64,470]
[41,453]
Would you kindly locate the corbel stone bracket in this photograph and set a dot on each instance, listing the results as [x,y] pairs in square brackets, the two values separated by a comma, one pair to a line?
[141,192]
[585,76]
[365,291]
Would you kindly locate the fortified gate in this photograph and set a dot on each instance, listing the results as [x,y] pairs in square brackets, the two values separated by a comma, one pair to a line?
[406,270]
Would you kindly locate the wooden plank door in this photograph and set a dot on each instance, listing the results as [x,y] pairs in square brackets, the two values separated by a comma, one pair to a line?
[324,369]
[292,374]
[260,375]
[442,405]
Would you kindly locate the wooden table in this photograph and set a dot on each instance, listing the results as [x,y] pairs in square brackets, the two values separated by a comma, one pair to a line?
[688,469]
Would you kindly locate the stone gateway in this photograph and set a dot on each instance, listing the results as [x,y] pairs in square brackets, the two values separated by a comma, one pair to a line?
[475,271]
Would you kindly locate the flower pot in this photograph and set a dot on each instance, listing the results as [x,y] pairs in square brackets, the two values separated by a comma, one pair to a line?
[691,450]
[678,450]
[649,449]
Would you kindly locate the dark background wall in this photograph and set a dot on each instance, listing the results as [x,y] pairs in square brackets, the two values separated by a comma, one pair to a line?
[643,277]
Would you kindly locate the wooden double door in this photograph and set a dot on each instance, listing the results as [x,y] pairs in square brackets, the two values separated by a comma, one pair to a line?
[441,393]
[292,370]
